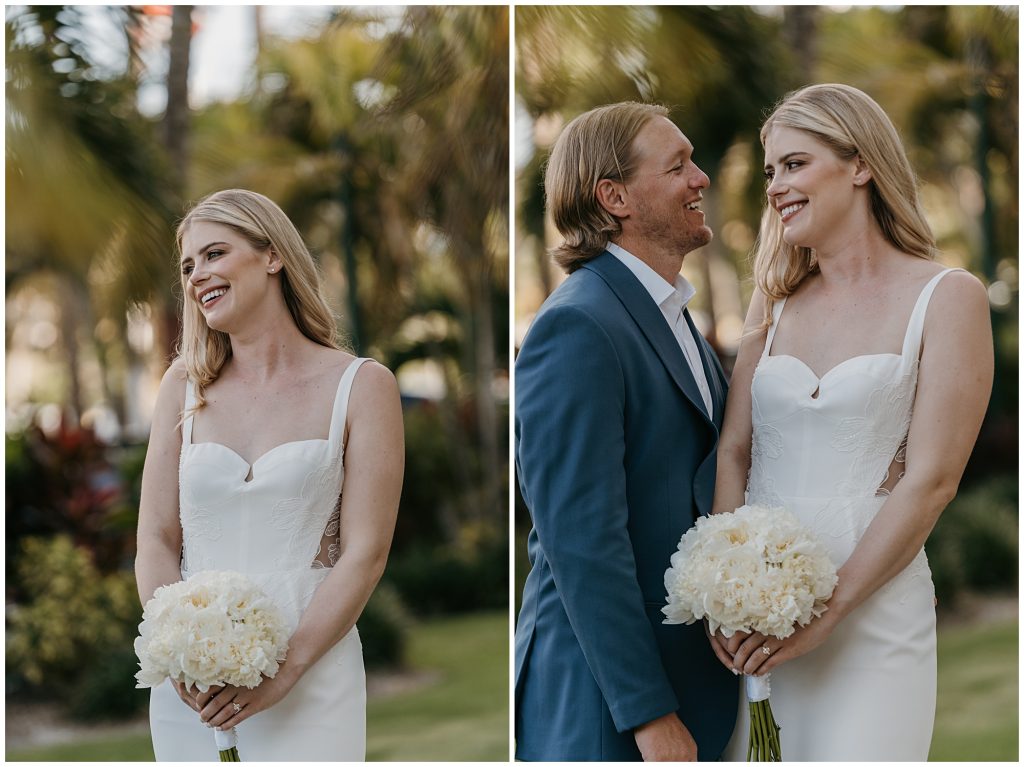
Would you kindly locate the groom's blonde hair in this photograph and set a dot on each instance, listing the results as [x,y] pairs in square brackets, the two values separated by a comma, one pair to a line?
[595,145]
[852,125]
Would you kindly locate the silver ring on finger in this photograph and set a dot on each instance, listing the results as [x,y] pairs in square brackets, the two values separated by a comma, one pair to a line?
[236,706]
[765,649]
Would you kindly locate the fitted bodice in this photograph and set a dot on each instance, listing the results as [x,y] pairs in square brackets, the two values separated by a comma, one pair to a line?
[281,513]
[837,435]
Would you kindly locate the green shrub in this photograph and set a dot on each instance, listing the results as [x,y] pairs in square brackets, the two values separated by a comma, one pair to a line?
[106,688]
[73,621]
[974,544]
[384,627]
[452,579]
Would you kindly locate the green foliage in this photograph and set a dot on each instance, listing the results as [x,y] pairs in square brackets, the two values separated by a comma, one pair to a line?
[106,689]
[69,638]
[384,628]
[974,544]
[64,483]
[444,579]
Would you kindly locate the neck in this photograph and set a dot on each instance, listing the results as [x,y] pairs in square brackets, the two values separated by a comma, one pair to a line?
[665,262]
[856,252]
[268,346]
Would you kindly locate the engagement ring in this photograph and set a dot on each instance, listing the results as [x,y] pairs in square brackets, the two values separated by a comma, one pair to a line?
[765,650]
[236,707]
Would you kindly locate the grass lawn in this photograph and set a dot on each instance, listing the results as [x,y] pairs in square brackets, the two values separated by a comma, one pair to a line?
[976,717]
[463,716]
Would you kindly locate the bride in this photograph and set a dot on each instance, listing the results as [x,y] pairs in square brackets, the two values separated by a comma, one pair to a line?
[858,393]
[273,453]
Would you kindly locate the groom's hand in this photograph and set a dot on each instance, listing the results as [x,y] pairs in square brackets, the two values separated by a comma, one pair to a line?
[665,739]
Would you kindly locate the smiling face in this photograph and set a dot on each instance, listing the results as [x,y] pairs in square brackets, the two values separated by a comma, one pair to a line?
[665,191]
[814,192]
[223,274]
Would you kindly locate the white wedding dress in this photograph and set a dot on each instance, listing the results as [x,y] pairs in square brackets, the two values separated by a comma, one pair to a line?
[824,448]
[280,528]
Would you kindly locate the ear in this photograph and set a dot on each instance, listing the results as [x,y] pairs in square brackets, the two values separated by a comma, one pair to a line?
[862,174]
[273,262]
[613,197]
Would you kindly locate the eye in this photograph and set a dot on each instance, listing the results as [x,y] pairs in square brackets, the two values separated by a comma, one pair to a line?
[214,253]
[187,270]
[793,164]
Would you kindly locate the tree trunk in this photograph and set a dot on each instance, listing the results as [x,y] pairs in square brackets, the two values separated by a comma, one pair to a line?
[800,31]
[176,120]
[70,320]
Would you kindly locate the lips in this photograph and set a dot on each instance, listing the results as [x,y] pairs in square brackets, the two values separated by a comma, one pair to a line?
[211,296]
[791,209]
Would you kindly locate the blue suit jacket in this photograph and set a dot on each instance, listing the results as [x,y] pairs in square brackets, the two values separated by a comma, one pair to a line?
[615,456]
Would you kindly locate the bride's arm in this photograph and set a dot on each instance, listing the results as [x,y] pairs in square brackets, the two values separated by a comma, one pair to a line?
[954,384]
[734,444]
[734,441]
[374,466]
[158,542]
[158,545]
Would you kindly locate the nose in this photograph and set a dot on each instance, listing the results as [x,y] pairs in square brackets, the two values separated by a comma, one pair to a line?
[700,179]
[775,187]
[197,275]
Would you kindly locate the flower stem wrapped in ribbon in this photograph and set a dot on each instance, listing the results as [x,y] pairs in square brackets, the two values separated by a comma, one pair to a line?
[753,569]
[216,628]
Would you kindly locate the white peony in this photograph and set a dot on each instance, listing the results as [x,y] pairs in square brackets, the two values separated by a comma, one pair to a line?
[215,628]
[754,569]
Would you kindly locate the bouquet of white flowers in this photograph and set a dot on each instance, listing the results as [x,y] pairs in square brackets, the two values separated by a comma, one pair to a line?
[754,569]
[216,628]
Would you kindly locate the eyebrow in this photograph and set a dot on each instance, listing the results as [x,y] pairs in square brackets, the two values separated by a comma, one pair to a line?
[784,159]
[203,250]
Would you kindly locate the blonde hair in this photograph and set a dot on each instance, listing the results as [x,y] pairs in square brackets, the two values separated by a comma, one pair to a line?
[595,145]
[852,125]
[264,226]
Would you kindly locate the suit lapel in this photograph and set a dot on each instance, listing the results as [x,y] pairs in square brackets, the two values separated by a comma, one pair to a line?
[712,370]
[648,317]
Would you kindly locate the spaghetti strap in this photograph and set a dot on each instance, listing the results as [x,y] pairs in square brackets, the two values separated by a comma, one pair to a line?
[340,412]
[776,313]
[190,402]
[915,328]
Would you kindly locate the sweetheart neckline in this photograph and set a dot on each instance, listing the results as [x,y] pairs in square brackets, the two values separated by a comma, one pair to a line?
[265,454]
[835,367]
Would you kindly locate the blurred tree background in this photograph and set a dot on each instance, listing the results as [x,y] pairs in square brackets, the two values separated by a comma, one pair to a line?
[948,78]
[381,133]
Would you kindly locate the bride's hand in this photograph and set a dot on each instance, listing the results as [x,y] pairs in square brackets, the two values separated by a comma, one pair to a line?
[722,646]
[229,706]
[752,659]
[187,694]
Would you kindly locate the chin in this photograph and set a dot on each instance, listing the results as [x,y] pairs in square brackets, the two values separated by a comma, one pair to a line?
[699,239]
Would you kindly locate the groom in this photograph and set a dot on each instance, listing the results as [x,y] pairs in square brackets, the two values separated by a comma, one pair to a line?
[618,403]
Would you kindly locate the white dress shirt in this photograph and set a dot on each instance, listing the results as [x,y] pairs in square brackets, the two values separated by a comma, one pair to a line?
[672,301]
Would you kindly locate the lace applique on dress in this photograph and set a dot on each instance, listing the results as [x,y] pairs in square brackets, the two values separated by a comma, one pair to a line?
[875,438]
[766,445]
[303,520]
[331,539]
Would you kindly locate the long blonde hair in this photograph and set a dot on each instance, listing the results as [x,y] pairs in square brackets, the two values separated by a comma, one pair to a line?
[852,125]
[264,226]
[595,145]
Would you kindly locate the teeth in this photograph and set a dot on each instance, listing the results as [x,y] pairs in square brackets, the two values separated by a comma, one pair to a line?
[791,208]
[694,205]
[214,294]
